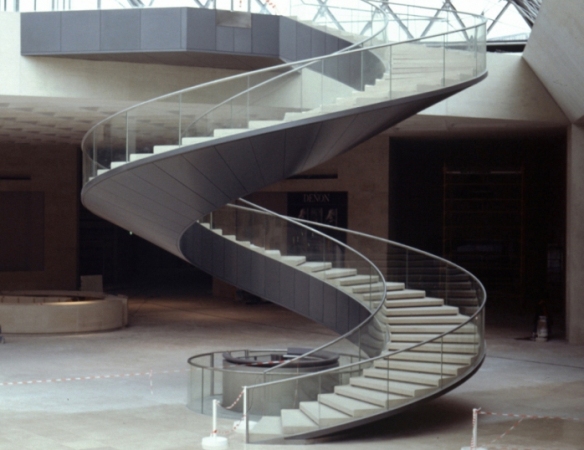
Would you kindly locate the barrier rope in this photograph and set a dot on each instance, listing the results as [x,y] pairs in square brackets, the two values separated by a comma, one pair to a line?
[237,423]
[526,416]
[521,418]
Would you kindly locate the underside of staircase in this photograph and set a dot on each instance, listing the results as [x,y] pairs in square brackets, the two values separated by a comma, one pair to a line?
[410,323]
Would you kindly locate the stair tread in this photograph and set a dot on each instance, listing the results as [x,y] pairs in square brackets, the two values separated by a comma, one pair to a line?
[315,266]
[435,347]
[349,406]
[434,357]
[450,338]
[382,399]
[268,427]
[338,273]
[322,414]
[293,260]
[164,148]
[357,279]
[423,320]
[431,329]
[422,310]
[392,386]
[223,132]
[254,124]
[419,366]
[406,293]
[295,421]
[138,156]
[393,375]
[413,302]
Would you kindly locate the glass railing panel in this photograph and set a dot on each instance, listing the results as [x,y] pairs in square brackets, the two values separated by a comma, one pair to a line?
[274,94]
[108,143]
[154,127]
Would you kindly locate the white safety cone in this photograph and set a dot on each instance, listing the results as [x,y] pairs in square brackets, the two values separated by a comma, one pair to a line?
[214,441]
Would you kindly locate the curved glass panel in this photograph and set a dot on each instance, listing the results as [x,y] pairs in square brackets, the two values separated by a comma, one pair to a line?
[361,74]
[416,363]
[412,51]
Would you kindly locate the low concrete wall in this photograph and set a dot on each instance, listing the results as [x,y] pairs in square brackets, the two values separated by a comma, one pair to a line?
[61,312]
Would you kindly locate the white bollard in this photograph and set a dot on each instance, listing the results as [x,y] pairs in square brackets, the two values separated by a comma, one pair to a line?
[473,442]
[214,441]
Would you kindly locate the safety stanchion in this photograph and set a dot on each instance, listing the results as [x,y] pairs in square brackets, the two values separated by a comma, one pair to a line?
[214,441]
[473,441]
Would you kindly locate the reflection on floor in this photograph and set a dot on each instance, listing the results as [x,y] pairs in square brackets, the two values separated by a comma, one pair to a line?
[127,389]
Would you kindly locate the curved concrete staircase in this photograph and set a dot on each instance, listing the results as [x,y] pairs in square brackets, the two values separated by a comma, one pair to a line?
[413,322]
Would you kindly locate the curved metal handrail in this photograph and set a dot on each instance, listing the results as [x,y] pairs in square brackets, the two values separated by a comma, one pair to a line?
[301,65]
[281,67]
[341,244]
[386,241]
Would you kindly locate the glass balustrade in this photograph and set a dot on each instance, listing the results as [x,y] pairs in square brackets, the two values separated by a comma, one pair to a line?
[357,76]
[378,68]
[450,353]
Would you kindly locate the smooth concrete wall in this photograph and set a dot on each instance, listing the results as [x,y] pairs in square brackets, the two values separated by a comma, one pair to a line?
[575,237]
[51,171]
[71,78]
[64,317]
[555,53]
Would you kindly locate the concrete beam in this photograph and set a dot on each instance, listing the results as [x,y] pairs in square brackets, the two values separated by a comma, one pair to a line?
[555,53]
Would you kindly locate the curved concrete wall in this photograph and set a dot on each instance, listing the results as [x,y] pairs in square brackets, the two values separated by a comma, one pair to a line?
[101,314]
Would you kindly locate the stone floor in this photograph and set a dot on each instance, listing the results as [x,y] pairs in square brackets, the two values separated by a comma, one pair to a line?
[127,389]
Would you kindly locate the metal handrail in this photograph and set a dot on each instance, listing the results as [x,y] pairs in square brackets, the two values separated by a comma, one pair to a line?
[480,286]
[265,70]
[323,235]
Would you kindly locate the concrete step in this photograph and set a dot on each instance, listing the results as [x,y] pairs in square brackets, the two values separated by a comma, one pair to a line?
[116,164]
[268,427]
[166,148]
[255,124]
[423,311]
[273,254]
[413,303]
[295,421]
[349,406]
[101,171]
[406,293]
[469,349]
[195,140]
[394,387]
[376,287]
[425,320]
[294,260]
[223,132]
[420,367]
[338,273]
[323,415]
[139,156]
[454,338]
[315,266]
[383,399]
[391,375]
[430,357]
[430,329]
[357,279]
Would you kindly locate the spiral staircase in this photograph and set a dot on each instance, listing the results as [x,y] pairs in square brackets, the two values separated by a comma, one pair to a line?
[410,324]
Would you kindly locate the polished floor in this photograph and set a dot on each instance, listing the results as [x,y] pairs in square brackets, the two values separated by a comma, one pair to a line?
[127,389]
